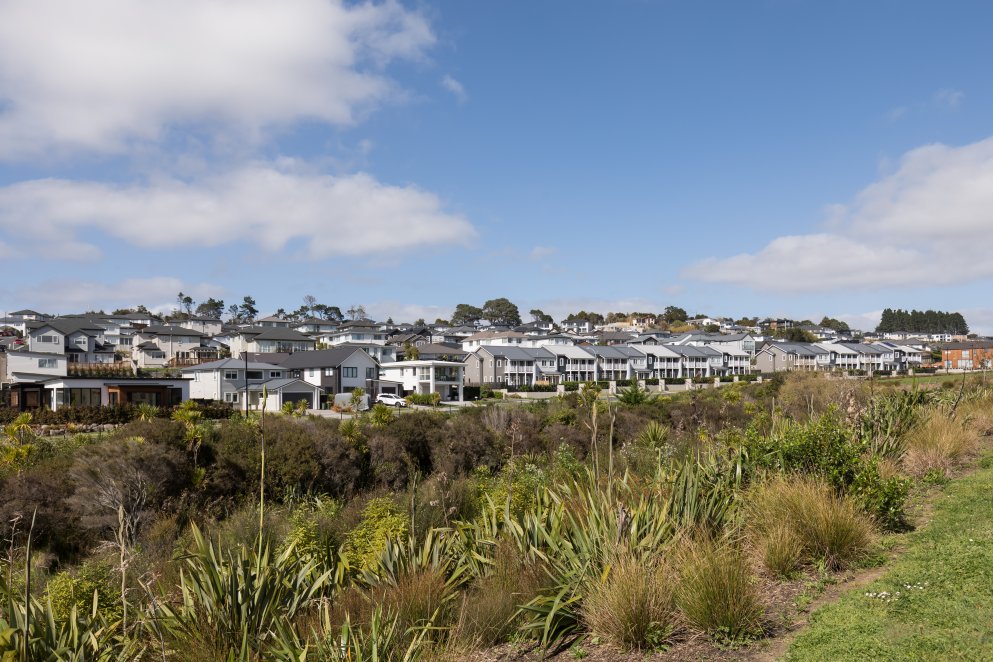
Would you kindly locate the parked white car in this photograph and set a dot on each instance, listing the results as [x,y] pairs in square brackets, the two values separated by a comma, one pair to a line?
[391,400]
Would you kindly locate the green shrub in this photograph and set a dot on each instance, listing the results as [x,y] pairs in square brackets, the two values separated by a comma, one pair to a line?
[68,590]
[382,520]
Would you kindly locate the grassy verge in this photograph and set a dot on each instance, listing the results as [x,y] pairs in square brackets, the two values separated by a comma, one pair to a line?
[936,602]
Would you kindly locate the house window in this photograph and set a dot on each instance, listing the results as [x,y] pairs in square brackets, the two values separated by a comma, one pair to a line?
[48,363]
[329,372]
[370,373]
[273,374]
[349,372]
[255,374]
[499,363]
[312,372]
[231,375]
[48,339]
[230,397]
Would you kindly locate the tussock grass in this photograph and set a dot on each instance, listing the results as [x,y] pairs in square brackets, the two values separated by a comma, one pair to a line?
[634,605]
[781,551]
[716,591]
[827,526]
[939,445]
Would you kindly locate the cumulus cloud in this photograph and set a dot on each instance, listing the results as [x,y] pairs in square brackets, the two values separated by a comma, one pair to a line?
[455,87]
[927,223]
[70,295]
[103,74]
[269,204]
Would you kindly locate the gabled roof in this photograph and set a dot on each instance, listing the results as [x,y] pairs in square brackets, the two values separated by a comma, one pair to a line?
[170,330]
[274,333]
[67,326]
[323,358]
[277,384]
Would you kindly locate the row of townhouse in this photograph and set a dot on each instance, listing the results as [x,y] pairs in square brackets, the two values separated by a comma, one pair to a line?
[868,357]
[555,363]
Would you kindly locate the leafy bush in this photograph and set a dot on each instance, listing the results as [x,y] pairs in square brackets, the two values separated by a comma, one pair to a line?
[382,520]
[75,590]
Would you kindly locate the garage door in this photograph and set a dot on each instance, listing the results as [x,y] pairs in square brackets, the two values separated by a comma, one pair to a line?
[297,397]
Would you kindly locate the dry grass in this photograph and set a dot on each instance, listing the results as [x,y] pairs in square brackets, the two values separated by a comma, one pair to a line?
[717,591]
[826,525]
[487,613]
[939,445]
[978,415]
[781,551]
[634,606]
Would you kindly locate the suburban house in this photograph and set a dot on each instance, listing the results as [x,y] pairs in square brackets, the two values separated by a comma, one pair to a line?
[336,370]
[161,345]
[977,355]
[274,322]
[228,380]
[442,377]
[504,338]
[208,326]
[266,340]
[576,326]
[315,325]
[510,366]
[362,331]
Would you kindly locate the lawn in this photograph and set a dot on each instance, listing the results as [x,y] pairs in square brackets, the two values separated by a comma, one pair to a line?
[935,603]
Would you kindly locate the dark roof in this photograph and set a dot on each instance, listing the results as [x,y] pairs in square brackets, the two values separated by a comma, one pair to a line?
[170,330]
[275,333]
[66,325]
[324,358]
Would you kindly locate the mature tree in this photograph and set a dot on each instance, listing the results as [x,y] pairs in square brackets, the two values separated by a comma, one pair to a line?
[795,334]
[356,311]
[309,301]
[674,314]
[748,321]
[212,308]
[712,328]
[185,303]
[247,311]
[613,318]
[441,322]
[420,322]
[234,313]
[501,311]
[466,315]
[539,315]
[917,321]
[831,323]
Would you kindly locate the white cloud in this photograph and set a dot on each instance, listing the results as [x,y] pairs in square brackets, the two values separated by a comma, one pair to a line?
[72,295]
[268,204]
[541,252]
[927,223]
[949,98]
[455,87]
[102,74]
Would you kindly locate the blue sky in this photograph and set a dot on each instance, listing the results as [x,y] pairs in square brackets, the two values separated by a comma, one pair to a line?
[761,158]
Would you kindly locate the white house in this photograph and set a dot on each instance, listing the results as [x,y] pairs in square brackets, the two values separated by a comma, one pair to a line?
[442,377]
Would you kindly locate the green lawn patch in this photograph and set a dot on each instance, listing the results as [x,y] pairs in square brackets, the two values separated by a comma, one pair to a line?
[935,603]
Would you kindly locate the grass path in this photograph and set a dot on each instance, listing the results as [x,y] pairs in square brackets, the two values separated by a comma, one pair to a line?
[936,600]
